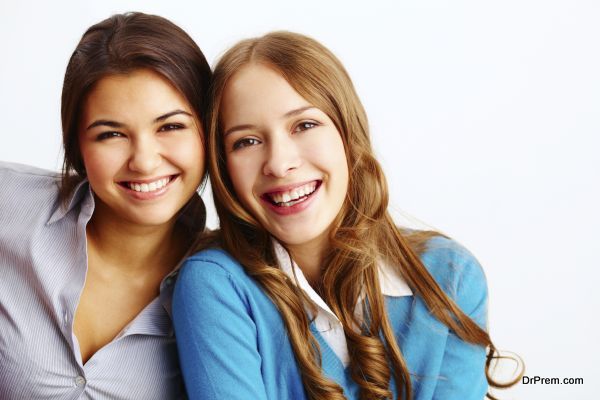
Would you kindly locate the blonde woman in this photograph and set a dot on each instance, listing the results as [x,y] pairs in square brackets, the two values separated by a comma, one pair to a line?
[312,291]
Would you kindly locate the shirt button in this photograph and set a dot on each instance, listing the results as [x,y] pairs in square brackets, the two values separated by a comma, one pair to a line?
[80,381]
[66,318]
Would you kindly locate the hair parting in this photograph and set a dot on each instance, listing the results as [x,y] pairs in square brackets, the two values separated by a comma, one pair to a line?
[120,45]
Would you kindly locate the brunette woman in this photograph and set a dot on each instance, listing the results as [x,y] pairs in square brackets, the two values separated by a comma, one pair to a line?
[88,256]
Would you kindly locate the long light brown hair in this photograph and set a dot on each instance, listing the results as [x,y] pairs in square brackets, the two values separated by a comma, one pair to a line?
[362,233]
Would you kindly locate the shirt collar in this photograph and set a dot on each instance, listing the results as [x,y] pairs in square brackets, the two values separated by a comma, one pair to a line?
[82,192]
[391,282]
[291,269]
[325,321]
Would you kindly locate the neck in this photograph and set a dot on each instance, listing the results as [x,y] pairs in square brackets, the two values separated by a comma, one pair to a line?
[132,247]
[309,257]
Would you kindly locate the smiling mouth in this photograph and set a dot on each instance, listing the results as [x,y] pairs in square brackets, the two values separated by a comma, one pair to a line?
[293,196]
[148,186]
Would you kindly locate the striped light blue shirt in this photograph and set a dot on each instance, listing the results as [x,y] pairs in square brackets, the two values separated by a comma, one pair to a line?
[43,265]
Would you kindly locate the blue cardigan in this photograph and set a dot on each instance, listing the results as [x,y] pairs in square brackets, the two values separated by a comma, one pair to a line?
[233,343]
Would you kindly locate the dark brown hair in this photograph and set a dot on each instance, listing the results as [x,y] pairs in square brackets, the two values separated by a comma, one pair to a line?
[362,233]
[119,45]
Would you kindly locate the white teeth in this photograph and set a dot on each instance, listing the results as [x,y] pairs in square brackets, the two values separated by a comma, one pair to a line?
[148,187]
[290,197]
[291,203]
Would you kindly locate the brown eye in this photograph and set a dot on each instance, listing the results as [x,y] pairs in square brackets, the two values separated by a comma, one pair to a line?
[108,135]
[304,126]
[245,142]
[171,127]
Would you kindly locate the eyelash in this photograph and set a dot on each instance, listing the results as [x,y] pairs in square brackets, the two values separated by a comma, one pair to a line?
[164,128]
[312,123]
[240,144]
[108,135]
[171,127]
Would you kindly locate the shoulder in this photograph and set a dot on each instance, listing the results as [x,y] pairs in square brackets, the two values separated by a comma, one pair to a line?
[212,270]
[18,178]
[447,259]
[15,170]
[212,283]
[212,261]
[27,190]
[456,270]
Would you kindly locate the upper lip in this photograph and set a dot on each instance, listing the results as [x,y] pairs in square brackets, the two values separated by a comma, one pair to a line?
[285,188]
[147,180]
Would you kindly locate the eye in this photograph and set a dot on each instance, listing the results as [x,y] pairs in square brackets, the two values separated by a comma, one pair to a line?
[171,127]
[305,125]
[108,135]
[245,142]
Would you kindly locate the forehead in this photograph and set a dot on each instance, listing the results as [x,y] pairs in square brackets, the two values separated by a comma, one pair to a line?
[142,90]
[258,90]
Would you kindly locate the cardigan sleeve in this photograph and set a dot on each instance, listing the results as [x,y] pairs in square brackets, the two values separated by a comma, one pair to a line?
[462,371]
[216,336]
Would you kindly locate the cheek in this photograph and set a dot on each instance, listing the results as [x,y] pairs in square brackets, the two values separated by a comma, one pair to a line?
[242,172]
[341,164]
[327,151]
[102,163]
[339,173]
[187,152]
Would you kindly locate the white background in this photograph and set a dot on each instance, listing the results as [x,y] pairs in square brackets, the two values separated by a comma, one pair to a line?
[485,115]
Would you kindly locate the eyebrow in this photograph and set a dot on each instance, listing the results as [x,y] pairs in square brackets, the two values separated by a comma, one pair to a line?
[170,114]
[115,124]
[105,122]
[297,111]
[250,126]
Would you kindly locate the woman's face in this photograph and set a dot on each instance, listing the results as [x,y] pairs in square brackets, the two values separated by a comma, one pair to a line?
[285,157]
[141,147]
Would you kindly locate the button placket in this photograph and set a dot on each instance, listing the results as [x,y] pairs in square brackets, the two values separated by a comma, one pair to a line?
[80,381]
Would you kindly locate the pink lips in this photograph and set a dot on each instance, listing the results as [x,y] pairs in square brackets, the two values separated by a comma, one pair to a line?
[148,195]
[294,209]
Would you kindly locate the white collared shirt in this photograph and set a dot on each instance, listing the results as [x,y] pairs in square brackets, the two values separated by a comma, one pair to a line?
[43,261]
[327,323]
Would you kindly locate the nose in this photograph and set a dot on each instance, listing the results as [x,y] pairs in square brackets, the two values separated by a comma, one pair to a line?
[283,156]
[145,156]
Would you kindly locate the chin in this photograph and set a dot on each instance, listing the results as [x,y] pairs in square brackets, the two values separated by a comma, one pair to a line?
[151,219]
[298,238]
